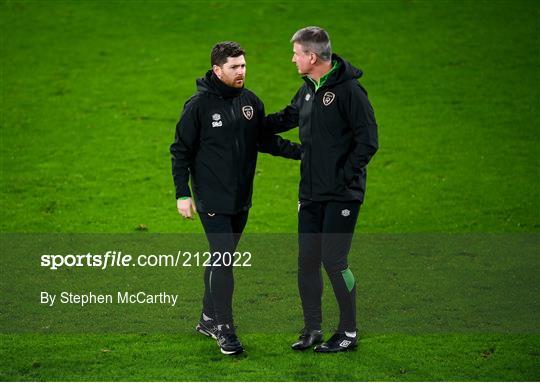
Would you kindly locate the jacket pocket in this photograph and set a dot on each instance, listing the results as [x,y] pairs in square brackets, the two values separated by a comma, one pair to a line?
[348,174]
[341,182]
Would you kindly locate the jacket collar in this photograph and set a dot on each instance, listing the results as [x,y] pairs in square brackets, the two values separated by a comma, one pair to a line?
[211,84]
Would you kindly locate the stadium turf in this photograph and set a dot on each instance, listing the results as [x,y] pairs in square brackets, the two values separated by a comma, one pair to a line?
[91,92]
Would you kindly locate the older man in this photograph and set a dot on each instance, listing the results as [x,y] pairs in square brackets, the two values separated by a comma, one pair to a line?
[338,133]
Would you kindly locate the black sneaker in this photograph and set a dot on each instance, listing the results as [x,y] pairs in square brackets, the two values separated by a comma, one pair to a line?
[228,341]
[206,326]
[338,342]
[307,339]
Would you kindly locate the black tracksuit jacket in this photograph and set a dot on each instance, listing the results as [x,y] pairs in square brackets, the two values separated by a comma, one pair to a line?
[216,143]
[338,133]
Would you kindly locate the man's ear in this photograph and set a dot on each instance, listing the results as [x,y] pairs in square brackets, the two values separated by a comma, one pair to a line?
[217,70]
[313,58]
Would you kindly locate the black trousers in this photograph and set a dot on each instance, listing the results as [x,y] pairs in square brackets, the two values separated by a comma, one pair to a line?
[223,233]
[325,231]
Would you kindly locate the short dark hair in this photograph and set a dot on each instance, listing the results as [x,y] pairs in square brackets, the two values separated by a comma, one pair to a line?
[222,51]
[314,39]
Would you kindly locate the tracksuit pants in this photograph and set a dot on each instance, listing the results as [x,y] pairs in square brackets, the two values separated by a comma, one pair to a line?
[325,231]
[223,233]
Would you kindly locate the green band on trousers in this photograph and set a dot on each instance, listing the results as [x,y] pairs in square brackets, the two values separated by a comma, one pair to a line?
[348,277]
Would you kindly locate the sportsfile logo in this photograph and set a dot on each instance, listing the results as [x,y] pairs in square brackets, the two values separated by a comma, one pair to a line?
[119,259]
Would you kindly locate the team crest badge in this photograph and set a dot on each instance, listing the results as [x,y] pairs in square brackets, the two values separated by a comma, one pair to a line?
[248,112]
[308,96]
[216,117]
[328,98]
[345,212]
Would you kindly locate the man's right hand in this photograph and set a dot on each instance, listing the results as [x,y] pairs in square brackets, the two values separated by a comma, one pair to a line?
[186,208]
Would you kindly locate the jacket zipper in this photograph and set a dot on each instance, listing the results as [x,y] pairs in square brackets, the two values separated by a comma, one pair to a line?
[311,151]
[235,152]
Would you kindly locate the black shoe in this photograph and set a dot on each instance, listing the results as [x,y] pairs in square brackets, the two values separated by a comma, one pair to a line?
[228,341]
[338,342]
[206,326]
[307,339]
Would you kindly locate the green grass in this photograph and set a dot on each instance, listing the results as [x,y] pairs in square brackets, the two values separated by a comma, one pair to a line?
[92,91]
[486,357]
[90,95]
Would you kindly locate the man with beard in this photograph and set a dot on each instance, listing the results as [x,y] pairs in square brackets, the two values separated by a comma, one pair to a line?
[216,144]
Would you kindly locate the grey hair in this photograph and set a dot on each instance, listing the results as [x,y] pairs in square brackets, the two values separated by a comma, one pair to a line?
[314,39]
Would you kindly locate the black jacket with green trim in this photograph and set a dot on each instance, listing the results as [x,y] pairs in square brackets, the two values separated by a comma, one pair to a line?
[338,133]
[216,143]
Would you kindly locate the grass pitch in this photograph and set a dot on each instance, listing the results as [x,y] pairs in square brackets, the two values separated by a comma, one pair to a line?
[91,92]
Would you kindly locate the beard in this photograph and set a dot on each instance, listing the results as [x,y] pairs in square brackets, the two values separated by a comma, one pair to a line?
[237,82]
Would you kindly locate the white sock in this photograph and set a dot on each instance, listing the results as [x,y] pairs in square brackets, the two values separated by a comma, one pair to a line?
[351,334]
